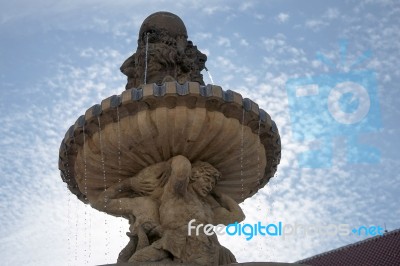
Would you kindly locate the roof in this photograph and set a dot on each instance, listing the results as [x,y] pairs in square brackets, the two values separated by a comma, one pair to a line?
[378,250]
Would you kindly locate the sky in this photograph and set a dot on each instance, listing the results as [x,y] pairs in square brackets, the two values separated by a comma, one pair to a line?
[58,58]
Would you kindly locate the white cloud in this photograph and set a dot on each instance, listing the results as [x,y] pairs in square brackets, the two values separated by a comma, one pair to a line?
[243,42]
[282,53]
[271,43]
[373,3]
[246,5]
[331,13]
[259,16]
[225,63]
[316,24]
[211,10]
[282,17]
[199,36]
[223,41]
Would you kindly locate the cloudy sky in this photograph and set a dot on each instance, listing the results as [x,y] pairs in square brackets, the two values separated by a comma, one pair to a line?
[58,58]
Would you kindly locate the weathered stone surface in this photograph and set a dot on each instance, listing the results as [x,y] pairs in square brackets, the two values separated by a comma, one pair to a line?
[156,128]
[169,151]
[164,53]
[160,202]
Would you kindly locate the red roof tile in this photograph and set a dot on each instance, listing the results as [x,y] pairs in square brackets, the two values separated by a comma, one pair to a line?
[379,250]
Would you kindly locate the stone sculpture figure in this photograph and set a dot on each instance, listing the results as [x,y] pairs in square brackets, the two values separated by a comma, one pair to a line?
[164,54]
[137,199]
[159,218]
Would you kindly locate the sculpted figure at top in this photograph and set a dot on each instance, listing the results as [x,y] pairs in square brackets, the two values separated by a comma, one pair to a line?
[164,54]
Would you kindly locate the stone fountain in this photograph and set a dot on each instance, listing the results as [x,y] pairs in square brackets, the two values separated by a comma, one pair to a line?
[170,150]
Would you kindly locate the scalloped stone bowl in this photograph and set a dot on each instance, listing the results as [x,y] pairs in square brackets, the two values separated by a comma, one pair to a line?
[126,133]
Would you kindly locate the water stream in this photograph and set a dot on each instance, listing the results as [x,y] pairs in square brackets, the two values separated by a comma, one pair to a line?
[241,155]
[86,237]
[107,238]
[76,230]
[119,168]
[259,165]
[209,75]
[69,231]
[69,228]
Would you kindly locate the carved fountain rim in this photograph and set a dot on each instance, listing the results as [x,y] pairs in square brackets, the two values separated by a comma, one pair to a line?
[170,95]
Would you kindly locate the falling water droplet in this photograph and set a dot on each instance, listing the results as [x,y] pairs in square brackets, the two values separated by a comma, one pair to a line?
[76,231]
[69,231]
[90,239]
[119,169]
[102,155]
[69,228]
[85,242]
[241,156]
[104,187]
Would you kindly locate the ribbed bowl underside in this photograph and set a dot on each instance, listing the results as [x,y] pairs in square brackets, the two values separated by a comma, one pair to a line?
[127,133]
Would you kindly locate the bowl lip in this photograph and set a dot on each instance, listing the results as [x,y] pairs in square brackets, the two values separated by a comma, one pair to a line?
[170,95]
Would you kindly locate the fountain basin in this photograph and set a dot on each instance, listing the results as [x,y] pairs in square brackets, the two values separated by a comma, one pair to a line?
[143,126]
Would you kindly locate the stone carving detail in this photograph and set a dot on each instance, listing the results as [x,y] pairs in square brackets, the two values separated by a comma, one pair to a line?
[168,196]
[171,151]
[170,55]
